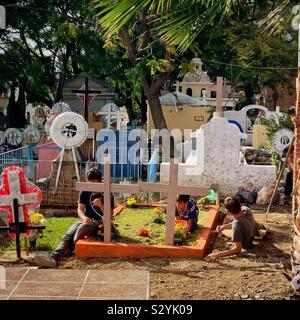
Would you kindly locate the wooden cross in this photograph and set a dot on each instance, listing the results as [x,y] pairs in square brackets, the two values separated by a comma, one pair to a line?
[86,91]
[172,189]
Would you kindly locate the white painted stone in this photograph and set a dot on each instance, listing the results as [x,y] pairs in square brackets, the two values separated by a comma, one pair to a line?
[218,160]
[241,118]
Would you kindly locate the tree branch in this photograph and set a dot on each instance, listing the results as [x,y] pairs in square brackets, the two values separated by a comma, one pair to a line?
[128,43]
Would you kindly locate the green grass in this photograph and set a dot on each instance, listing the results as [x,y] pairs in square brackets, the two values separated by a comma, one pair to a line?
[52,235]
[130,221]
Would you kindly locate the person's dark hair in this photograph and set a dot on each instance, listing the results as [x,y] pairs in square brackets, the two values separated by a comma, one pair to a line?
[183,198]
[94,174]
[232,204]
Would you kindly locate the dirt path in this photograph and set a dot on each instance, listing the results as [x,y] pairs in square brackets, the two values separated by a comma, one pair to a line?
[256,274]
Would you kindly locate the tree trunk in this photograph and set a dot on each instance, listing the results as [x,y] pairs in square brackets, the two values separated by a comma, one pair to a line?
[156,110]
[158,118]
[249,93]
[11,108]
[61,80]
[21,109]
[143,107]
[129,109]
[16,109]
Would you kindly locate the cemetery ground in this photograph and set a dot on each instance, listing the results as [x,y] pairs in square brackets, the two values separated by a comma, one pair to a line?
[256,274]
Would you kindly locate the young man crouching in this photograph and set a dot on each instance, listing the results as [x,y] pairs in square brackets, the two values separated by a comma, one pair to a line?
[241,230]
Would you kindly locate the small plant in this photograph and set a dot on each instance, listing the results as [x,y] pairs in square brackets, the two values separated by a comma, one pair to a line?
[143,233]
[159,215]
[131,202]
[202,202]
[36,219]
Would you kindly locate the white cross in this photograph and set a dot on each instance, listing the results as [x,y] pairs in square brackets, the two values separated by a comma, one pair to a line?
[177,85]
[172,189]
[108,113]
[15,193]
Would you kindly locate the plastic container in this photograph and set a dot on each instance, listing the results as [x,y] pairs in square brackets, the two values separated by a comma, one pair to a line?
[211,195]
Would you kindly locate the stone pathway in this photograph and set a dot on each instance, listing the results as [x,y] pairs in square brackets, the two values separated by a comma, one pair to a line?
[58,284]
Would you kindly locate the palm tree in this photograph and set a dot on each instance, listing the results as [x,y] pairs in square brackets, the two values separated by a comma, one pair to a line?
[284,15]
[178,22]
[148,29]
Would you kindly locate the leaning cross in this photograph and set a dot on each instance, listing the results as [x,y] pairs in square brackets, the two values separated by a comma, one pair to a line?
[172,189]
[17,194]
[86,92]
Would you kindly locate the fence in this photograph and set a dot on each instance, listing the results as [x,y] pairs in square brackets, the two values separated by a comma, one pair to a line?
[36,162]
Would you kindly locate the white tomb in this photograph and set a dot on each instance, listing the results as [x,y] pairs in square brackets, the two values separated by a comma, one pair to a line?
[218,160]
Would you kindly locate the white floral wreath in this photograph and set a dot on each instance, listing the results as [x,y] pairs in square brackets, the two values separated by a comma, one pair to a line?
[69,130]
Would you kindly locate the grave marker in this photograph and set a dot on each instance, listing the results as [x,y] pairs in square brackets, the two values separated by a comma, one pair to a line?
[172,188]
[17,195]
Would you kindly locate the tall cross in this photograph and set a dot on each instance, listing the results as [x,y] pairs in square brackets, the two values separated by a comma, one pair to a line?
[86,91]
[172,189]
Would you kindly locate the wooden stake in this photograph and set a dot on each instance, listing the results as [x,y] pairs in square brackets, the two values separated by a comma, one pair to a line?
[279,177]
[172,194]
[107,200]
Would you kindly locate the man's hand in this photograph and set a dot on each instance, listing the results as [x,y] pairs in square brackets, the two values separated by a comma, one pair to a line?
[87,220]
[219,229]
[212,257]
[97,202]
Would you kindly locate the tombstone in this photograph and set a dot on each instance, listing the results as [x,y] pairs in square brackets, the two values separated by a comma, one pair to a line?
[218,159]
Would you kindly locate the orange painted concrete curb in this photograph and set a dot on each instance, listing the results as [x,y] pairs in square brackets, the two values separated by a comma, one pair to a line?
[93,249]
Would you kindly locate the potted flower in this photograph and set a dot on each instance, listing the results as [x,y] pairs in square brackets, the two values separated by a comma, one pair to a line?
[36,219]
[159,215]
[131,202]
[180,232]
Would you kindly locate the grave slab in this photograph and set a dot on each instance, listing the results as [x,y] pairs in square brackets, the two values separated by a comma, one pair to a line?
[57,284]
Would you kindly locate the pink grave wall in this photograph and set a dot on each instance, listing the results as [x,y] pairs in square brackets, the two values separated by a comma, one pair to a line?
[47,152]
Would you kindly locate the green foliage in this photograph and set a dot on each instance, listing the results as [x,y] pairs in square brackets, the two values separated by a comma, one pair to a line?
[275,123]
[203,201]
[159,66]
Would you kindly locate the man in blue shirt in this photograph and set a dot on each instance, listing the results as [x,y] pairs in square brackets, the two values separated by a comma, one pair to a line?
[186,209]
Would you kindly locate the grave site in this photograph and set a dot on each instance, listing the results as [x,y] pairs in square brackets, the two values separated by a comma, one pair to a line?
[138,175]
[141,244]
